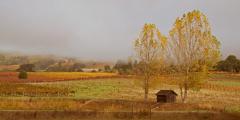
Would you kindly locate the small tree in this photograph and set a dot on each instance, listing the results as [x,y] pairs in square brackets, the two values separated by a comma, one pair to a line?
[123,67]
[194,49]
[149,48]
[22,75]
[107,68]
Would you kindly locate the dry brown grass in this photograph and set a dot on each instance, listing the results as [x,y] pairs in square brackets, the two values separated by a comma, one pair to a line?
[90,115]
[13,90]
[40,104]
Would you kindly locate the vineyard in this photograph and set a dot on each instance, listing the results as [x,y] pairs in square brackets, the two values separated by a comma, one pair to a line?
[8,67]
[76,91]
[28,90]
[53,76]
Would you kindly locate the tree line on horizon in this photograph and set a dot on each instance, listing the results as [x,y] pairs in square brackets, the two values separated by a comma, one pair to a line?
[230,64]
[48,63]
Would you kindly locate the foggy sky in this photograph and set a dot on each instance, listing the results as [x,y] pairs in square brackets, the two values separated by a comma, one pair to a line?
[104,29]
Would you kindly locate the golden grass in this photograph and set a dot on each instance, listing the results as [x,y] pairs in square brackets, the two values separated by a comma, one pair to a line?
[54,76]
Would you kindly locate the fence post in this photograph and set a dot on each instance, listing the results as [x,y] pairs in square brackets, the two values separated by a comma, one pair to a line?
[132,111]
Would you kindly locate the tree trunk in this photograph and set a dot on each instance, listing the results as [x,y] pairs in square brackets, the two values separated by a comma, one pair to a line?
[185,94]
[146,90]
[181,92]
[184,90]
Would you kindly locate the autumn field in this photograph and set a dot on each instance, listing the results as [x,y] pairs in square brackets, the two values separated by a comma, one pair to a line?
[53,76]
[120,97]
[8,67]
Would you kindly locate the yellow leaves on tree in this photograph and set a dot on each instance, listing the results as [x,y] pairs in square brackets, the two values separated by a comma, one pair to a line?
[149,49]
[194,48]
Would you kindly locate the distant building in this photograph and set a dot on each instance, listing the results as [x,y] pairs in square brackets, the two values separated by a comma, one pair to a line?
[90,69]
[166,96]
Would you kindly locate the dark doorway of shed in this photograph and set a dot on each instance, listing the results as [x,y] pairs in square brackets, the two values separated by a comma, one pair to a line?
[161,98]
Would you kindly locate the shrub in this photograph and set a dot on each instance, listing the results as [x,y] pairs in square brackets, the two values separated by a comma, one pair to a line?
[22,75]
[123,67]
[107,68]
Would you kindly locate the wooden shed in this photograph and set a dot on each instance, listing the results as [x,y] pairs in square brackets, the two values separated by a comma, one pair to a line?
[166,96]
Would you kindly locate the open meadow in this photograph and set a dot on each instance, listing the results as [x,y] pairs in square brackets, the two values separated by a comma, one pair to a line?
[220,96]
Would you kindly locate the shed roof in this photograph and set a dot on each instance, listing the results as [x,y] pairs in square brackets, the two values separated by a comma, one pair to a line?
[166,92]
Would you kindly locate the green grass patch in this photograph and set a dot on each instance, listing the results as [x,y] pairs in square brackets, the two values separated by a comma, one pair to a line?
[118,88]
[226,83]
[224,77]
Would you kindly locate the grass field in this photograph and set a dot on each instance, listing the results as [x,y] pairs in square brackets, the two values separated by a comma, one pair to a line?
[219,94]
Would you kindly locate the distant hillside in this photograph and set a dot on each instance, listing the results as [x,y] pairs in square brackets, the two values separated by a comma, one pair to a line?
[10,61]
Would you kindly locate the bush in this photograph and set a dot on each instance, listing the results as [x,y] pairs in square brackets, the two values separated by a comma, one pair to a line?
[107,68]
[123,67]
[23,75]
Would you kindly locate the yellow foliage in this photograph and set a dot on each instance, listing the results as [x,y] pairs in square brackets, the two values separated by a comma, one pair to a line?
[150,50]
[193,41]
[194,49]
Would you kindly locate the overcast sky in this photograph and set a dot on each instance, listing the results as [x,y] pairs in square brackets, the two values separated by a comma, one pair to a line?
[104,29]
